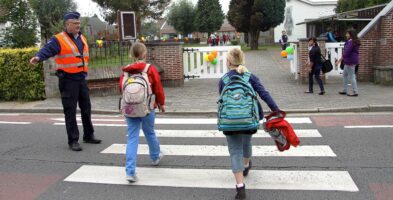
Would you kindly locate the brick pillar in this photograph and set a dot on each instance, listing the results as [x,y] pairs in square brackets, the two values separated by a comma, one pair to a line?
[51,80]
[303,58]
[168,56]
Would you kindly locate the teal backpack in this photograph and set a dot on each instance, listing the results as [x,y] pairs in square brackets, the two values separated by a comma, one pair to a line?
[238,104]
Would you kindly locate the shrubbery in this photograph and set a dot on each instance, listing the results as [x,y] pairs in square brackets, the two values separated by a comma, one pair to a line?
[18,79]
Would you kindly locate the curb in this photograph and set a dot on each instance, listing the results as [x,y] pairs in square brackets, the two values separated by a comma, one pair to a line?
[368,108]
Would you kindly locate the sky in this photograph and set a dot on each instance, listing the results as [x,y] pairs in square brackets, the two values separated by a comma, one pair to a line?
[89,8]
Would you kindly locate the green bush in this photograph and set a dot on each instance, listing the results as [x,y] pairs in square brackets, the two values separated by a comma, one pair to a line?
[18,79]
[235,42]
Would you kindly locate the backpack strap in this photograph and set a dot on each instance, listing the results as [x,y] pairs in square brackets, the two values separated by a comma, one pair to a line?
[246,77]
[225,79]
[147,67]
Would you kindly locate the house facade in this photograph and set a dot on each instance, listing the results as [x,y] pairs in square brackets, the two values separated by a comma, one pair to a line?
[297,11]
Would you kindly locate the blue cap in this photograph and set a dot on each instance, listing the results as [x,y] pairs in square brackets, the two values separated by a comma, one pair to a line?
[71,15]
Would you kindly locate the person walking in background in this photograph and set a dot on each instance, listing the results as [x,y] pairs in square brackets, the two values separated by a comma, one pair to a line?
[139,52]
[314,66]
[351,59]
[284,40]
[239,142]
[71,53]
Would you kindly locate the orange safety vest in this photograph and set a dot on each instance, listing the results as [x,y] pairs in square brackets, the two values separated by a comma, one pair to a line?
[69,59]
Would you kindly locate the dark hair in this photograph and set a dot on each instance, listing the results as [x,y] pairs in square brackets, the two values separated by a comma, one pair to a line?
[314,39]
[354,36]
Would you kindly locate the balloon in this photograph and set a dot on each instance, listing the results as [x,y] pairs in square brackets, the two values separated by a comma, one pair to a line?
[215,61]
[290,57]
[289,50]
[206,57]
[211,57]
[284,54]
[214,53]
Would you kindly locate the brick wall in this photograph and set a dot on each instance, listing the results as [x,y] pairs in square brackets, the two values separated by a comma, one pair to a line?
[303,58]
[376,49]
[169,57]
[103,81]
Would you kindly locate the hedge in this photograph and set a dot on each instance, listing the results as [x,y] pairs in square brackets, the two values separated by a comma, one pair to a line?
[18,79]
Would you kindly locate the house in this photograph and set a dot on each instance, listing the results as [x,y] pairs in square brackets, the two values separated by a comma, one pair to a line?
[95,28]
[340,22]
[297,11]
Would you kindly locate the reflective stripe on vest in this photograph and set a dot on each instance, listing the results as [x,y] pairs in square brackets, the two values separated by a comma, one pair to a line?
[69,59]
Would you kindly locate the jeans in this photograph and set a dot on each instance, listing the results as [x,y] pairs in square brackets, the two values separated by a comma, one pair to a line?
[134,125]
[315,72]
[239,147]
[350,76]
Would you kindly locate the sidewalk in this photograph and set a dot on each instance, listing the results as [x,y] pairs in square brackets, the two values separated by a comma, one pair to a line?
[200,96]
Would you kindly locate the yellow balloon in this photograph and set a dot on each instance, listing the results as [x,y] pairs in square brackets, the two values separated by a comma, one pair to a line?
[206,57]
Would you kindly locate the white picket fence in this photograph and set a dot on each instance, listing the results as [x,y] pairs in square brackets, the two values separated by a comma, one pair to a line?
[334,52]
[295,62]
[196,67]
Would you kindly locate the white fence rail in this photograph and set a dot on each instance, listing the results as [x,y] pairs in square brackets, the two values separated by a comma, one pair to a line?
[196,67]
[295,62]
[334,52]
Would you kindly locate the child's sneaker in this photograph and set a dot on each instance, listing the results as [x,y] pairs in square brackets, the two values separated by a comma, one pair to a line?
[131,179]
[241,192]
[247,169]
[157,162]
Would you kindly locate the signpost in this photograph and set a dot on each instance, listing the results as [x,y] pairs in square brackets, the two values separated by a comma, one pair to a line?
[127,25]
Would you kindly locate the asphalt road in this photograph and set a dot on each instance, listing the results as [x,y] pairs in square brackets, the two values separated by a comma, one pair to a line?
[35,161]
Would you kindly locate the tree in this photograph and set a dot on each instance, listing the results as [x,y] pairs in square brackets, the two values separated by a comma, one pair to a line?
[50,15]
[262,15]
[149,29]
[239,15]
[209,16]
[348,5]
[181,16]
[23,30]
[143,8]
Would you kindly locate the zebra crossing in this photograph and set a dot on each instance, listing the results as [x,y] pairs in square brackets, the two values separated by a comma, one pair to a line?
[187,177]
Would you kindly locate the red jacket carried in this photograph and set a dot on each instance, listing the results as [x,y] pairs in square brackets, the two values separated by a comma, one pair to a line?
[276,121]
[154,79]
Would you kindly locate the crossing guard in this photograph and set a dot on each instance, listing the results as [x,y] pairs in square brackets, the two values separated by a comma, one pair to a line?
[71,52]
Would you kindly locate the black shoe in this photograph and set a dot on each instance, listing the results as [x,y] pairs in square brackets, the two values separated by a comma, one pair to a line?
[92,141]
[247,169]
[322,93]
[241,192]
[75,146]
[352,95]
[342,93]
[308,92]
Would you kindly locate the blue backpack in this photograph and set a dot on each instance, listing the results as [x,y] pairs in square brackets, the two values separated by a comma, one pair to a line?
[238,104]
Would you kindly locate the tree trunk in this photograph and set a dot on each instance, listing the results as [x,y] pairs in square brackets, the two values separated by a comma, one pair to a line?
[254,39]
[246,38]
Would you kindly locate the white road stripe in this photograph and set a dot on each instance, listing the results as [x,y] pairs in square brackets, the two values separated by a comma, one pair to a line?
[291,120]
[311,133]
[374,126]
[94,124]
[213,150]
[302,133]
[4,122]
[217,178]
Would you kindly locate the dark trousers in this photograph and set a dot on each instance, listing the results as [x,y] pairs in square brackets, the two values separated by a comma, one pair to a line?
[284,46]
[72,92]
[315,73]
